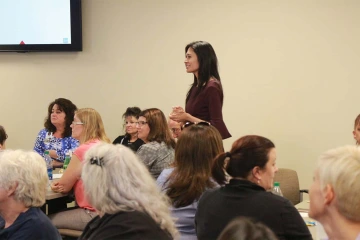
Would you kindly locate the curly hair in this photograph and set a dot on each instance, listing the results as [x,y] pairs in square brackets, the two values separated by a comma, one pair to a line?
[68,108]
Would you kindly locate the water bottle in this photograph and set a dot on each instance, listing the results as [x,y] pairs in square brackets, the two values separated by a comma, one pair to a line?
[66,161]
[276,189]
[49,164]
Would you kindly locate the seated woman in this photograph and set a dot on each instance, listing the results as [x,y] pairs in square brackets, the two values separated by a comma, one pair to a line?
[23,183]
[130,139]
[56,136]
[242,228]
[251,164]
[191,175]
[158,151]
[334,196]
[88,128]
[3,137]
[122,191]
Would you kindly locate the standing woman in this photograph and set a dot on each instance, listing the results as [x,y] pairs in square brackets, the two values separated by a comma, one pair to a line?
[204,100]
[158,151]
[3,137]
[56,136]
[130,139]
[88,128]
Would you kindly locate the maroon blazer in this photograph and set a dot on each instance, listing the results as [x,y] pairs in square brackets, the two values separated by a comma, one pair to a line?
[207,105]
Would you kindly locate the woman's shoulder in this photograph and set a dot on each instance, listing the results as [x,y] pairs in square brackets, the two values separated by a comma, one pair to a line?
[43,132]
[118,139]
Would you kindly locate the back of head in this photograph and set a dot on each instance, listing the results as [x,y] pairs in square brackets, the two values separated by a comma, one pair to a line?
[68,108]
[93,125]
[246,153]
[26,172]
[3,135]
[195,152]
[340,168]
[242,228]
[159,130]
[116,180]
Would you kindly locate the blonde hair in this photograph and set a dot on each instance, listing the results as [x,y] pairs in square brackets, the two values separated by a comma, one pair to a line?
[116,180]
[340,168]
[26,171]
[93,125]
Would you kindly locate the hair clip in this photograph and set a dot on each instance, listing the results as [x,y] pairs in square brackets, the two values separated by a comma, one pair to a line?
[97,161]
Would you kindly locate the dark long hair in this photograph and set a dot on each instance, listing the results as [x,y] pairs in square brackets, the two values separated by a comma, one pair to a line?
[208,65]
[66,106]
[246,153]
[3,135]
[131,112]
[195,152]
[159,130]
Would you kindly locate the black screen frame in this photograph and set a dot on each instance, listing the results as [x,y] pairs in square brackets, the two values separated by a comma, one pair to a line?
[76,36]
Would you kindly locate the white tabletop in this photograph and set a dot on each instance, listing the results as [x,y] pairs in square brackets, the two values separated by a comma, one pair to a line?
[316,231]
[50,194]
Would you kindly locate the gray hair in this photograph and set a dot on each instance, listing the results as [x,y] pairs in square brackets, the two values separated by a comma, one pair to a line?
[340,167]
[116,180]
[26,171]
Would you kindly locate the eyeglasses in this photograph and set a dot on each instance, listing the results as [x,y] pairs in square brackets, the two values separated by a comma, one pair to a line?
[141,123]
[187,124]
[77,123]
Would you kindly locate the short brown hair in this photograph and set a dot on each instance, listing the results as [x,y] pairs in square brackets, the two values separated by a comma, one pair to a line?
[159,130]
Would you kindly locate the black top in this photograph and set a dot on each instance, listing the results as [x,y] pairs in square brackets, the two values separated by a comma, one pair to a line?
[124,225]
[30,225]
[243,198]
[124,140]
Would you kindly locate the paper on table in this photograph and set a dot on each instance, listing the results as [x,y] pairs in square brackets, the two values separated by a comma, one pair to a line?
[304,214]
[57,175]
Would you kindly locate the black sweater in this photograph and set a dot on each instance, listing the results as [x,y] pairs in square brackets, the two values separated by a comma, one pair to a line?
[243,198]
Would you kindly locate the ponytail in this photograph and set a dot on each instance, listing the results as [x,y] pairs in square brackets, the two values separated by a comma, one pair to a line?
[218,169]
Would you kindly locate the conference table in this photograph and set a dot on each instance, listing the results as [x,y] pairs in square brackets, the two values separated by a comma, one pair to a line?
[54,200]
[316,231]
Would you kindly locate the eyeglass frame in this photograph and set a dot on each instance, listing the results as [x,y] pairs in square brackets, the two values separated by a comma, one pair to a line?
[140,123]
[188,124]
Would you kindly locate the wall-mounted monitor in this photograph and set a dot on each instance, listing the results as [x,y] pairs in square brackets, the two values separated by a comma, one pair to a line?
[40,25]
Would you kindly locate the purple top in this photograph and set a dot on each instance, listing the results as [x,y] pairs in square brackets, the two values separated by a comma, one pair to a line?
[207,105]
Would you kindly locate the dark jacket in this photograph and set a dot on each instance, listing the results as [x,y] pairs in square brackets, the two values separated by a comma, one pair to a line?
[243,198]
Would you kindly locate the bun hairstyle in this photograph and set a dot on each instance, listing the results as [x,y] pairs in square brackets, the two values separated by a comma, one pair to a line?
[246,153]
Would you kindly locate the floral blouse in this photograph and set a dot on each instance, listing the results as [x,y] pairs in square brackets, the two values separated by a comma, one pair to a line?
[46,141]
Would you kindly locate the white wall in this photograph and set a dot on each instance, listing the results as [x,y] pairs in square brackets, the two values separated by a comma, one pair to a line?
[289,70]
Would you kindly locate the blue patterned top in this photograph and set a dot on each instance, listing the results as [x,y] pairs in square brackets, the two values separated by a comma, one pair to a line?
[46,141]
